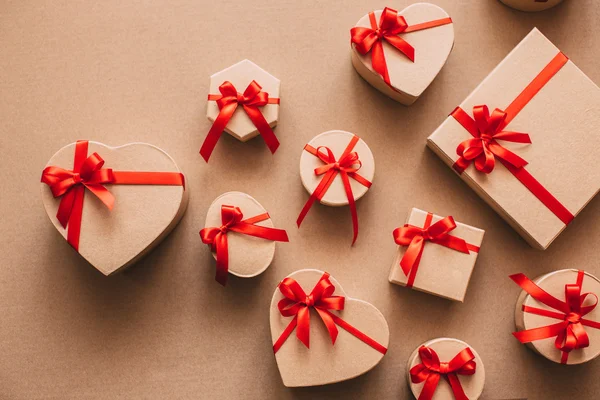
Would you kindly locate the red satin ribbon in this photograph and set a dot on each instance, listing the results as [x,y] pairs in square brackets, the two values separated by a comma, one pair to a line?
[486,129]
[390,26]
[570,332]
[347,166]
[431,369]
[415,237]
[297,304]
[228,101]
[88,173]
[231,219]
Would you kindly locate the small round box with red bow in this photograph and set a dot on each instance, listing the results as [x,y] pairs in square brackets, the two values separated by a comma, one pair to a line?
[445,369]
[336,168]
[557,315]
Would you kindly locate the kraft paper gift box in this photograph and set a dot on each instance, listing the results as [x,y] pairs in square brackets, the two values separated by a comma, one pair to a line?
[524,140]
[401,53]
[321,335]
[436,254]
[241,235]
[557,315]
[337,169]
[113,204]
[445,369]
[244,102]
[531,5]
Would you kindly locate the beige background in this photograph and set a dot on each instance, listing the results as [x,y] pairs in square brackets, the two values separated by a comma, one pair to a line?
[124,71]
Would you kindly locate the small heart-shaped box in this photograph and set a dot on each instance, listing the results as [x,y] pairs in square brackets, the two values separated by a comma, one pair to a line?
[531,5]
[455,361]
[83,180]
[309,311]
[436,254]
[400,54]
[521,140]
[249,245]
[244,102]
[575,295]
[336,168]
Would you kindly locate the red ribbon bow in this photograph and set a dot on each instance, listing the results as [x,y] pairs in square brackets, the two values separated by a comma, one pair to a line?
[390,26]
[483,147]
[228,101]
[88,173]
[347,167]
[570,332]
[415,237]
[297,304]
[431,369]
[231,218]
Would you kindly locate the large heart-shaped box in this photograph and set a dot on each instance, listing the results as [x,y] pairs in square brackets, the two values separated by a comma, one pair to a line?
[324,363]
[143,215]
[432,46]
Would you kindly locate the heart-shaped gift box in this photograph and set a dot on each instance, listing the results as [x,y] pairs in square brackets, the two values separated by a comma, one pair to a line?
[83,181]
[309,353]
[400,53]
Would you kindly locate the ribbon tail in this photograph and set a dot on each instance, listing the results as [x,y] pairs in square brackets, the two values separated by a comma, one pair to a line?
[263,127]
[378,61]
[222,272]
[457,389]
[317,194]
[216,130]
[285,334]
[74,225]
[429,386]
[352,204]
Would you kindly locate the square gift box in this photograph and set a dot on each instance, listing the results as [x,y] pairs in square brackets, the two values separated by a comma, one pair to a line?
[526,140]
[436,254]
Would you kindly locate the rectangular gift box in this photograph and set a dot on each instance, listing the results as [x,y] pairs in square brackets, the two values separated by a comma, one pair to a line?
[561,115]
[442,271]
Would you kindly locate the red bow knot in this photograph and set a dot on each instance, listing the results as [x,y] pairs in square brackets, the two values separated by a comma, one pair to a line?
[483,148]
[298,305]
[228,101]
[371,39]
[415,237]
[64,183]
[348,163]
[570,333]
[431,369]
[231,220]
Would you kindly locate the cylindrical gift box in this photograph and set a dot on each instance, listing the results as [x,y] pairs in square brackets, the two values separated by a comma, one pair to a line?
[337,142]
[554,284]
[446,349]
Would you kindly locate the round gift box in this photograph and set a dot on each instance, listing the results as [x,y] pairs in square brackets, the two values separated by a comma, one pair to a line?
[554,283]
[531,5]
[447,349]
[248,256]
[336,141]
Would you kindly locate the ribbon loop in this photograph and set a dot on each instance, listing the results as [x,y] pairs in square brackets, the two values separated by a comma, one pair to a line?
[570,332]
[252,98]
[431,369]
[298,305]
[232,221]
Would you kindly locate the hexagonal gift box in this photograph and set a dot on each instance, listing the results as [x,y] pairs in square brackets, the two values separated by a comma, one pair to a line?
[241,75]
